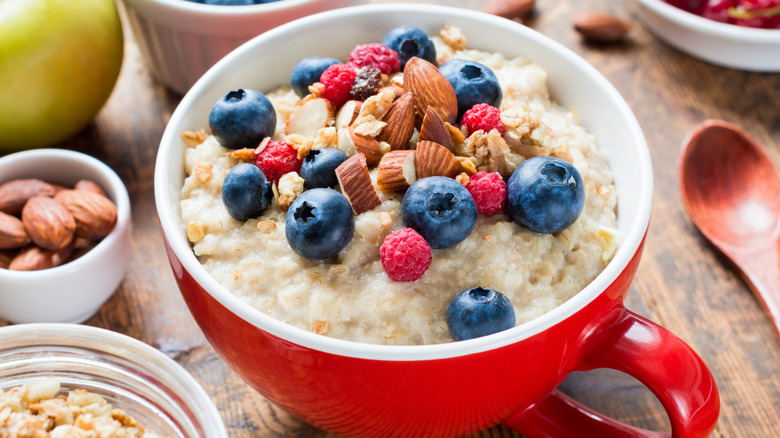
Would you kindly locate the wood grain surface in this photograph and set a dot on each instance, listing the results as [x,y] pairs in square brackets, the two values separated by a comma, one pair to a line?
[683,283]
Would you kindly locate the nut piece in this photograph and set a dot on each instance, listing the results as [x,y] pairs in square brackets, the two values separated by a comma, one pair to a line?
[434,159]
[396,171]
[15,193]
[348,113]
[94,215]
[309,116]
[400,123]
[509,8]
[48,223]
[355,183]
[12,233]
[89,186]
[366,145]
[600,27]
[433,129]
[430,88]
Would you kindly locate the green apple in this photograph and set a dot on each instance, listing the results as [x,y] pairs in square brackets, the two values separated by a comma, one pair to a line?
[59,61]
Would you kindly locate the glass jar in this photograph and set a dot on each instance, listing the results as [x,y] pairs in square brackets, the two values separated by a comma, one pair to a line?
[149,386]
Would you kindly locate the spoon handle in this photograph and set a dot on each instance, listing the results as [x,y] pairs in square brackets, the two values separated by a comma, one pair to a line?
[760,267]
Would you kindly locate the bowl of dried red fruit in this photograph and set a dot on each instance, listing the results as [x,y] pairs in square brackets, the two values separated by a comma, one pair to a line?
[64,235]
[739,34]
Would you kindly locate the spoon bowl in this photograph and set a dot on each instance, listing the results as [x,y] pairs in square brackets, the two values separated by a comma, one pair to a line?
[731,190]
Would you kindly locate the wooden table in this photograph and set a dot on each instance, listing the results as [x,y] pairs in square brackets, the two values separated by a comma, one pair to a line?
[682,283]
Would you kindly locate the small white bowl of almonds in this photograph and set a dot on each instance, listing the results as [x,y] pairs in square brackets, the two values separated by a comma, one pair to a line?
[64,235]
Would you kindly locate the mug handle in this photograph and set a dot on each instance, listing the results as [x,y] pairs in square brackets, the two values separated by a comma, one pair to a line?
[660,360]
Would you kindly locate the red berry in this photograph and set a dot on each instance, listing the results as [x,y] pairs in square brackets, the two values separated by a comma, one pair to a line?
[277,159]
[483,116]
[488,191]
[405,255]
[375,55]
[338,80]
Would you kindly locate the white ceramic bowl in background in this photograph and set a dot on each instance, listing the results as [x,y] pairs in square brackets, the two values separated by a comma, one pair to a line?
[179,40]
[149,386]
[72,292]
[723,44]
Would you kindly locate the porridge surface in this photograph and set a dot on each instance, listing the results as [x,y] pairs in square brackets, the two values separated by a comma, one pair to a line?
[350,297]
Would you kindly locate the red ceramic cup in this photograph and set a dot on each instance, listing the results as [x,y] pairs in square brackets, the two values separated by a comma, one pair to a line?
[457,388]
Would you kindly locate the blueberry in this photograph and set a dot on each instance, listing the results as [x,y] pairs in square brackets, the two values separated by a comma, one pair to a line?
[319,168]
[229,2]
[410,41]
[320,223]
[479,312]
[308,71]
[242,119]
[440,209]
[473,83]
[545,194]
[246,192]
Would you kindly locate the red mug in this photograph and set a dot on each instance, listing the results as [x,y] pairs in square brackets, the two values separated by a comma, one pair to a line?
[458,388]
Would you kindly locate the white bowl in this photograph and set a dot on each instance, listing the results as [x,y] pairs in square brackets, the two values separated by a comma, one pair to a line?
[149,386]
[723,44]
[74,291]
[180,40]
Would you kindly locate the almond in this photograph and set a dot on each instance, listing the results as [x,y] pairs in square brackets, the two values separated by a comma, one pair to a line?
[15,193]
[366,145]
[430,88]
[309,116]
[399,119]
[48,223]
[600,27]
[355,183]
[396,171]
[433,129]
[94,215]
[91,186]
[34,258]
[509,8]
[12,233]
[433,159]
[348,113]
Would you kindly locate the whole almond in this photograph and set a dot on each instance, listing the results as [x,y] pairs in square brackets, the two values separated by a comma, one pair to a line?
[600,27]
[91,186]
[509,8]
[430,88]
[34,258]
[48,223]
[400,123]
[14,193]
[12,233]
[94,215]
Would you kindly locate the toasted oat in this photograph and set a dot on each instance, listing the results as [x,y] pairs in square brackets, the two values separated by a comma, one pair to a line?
[463,179]
[245,154]
[300,143]
[321,327]
[290,187]
[457,135]
[266,227]
[316,89]
[195,231]
[202,171]
[194,138]
[563,153]
[453,37]
[326,138]
[468,164]
[367,121]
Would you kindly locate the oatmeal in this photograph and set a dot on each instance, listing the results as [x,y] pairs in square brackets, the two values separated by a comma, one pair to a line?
[37,410]
[350,296]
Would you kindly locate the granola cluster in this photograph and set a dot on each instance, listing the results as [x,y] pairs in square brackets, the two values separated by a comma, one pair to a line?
[38,410]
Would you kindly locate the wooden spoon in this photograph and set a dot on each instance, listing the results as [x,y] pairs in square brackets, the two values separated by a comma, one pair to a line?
[731,190]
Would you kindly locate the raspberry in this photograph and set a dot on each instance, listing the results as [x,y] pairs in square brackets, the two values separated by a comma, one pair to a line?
[337,79]
[376,55]
[367,83]
[405,255]
[483,116]
[488,191]
[277,159]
